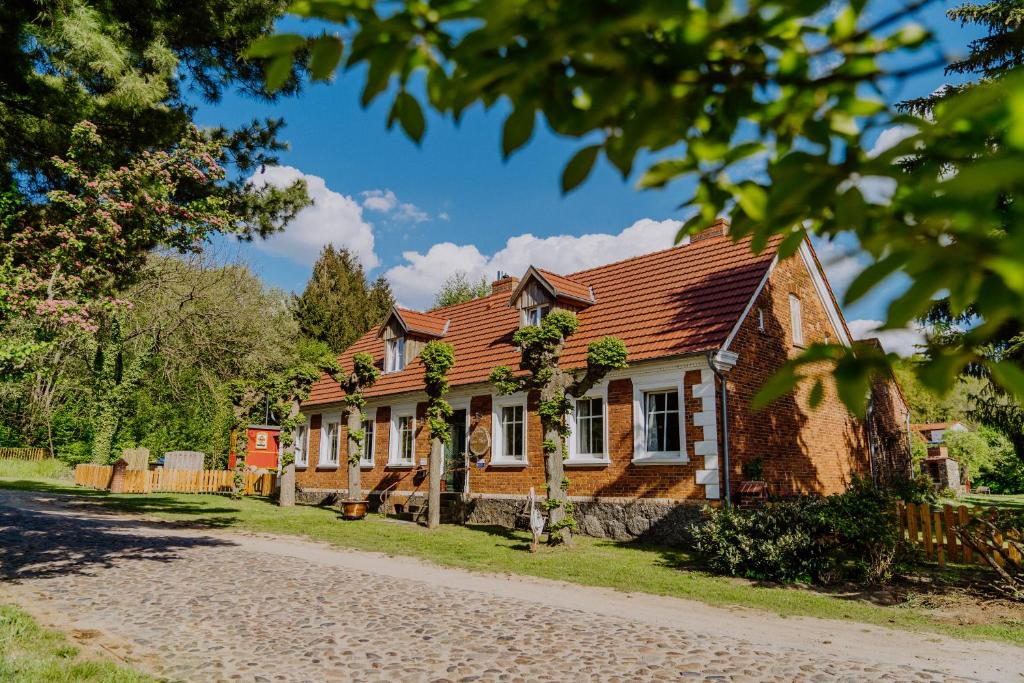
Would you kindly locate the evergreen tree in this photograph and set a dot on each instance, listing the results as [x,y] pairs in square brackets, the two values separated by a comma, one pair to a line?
[338,305]
[458,288]
[990,57]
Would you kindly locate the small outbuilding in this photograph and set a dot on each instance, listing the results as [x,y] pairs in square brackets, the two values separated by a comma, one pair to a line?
[263,446]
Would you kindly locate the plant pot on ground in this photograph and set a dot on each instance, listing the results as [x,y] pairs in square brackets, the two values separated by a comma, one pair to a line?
[354,509]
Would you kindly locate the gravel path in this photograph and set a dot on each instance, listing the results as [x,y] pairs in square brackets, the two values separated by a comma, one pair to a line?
[215,605]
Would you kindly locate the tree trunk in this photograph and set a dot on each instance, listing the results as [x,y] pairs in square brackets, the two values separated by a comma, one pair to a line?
[355,422]
[287,496]
[554,471]
[434,484]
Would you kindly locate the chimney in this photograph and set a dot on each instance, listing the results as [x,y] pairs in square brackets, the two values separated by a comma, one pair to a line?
[719,228]
[505,284]
[938,452]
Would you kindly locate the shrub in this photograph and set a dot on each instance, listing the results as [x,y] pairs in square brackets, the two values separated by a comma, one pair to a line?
[851,536]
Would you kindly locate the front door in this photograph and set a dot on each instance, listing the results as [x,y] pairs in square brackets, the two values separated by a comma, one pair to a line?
[455,453]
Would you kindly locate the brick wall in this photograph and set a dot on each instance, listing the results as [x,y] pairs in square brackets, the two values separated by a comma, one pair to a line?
[802,450]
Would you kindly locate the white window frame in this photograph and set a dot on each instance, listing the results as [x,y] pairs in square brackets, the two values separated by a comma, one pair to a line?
[539,311]
[641,386]
[394,354]
[301,445]
[760,320]
[796,319]
[323,460]
[369,444]
[498,457]
[575,457]
[394,445]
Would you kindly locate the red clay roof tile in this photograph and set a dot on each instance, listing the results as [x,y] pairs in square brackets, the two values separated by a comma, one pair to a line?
[676,302]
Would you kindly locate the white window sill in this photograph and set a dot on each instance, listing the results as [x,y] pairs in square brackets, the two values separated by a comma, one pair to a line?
[401,465]
[327,467]
[366,465]
[661,460]
[508,463]
[585,462]
[301,467]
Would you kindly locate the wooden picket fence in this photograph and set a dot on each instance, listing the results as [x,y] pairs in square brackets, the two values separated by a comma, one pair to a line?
[175,481]
[24,454]
[934,531]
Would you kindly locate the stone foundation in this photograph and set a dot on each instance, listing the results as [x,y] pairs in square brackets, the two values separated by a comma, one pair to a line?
[632,520]
[325,497]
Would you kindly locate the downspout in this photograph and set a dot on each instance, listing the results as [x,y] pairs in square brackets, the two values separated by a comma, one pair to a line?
[725,423]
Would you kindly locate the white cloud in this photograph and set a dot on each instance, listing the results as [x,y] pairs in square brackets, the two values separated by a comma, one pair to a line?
[890,137]
[386,202]
[379,200]
[417,279]
[333,218]
[902,342]
[842,264]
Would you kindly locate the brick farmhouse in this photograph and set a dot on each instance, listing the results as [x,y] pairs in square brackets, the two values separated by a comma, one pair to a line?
[705,324]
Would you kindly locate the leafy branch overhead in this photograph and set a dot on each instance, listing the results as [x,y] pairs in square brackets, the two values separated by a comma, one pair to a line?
[437,358]
[768,108]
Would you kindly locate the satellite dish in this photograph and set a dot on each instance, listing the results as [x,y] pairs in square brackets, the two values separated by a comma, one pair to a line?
[479,441]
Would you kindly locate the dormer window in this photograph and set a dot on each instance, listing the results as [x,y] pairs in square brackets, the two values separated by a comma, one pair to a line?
[394,354]
[535,314]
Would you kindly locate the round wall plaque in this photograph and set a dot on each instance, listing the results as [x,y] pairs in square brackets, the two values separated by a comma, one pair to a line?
[479,441]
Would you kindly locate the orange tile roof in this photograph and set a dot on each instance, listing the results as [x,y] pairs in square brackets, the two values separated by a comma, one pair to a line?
[676,302]
[567,287]
[429,324]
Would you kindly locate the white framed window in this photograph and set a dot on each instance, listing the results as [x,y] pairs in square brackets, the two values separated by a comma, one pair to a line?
[402,444]
[394,354]
[369,430]
[330,434]
[533,315]
[301,445]
[659,434]
[588,429]
[509,434]
[796,318]
[760,320]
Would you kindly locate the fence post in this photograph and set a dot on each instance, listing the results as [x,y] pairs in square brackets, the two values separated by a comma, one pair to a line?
[912,523]
[939,546]
[926,529]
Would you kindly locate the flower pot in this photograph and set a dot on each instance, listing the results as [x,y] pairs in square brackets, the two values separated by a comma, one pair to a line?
[353,509]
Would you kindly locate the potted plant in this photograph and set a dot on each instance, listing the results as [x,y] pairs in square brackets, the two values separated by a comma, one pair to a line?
[753,488]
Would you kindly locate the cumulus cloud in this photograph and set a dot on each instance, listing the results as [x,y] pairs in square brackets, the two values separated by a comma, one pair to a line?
[841,263]
[902,342]
[890,137]
[386,202]
[333,218]
[421,274]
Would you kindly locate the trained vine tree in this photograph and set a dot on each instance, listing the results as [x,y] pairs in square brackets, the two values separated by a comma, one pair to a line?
[363,376]
[438,358]
[541,349]
[285,391]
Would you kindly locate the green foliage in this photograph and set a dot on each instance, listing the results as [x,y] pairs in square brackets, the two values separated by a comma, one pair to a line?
[505,381]
[458,288]
[971,450]
[607,354]
[339,305]
[849,536]
[753,469]
[438,358]
[925,405]
[634,78]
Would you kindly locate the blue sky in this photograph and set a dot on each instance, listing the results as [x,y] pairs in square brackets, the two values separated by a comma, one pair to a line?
[417,213]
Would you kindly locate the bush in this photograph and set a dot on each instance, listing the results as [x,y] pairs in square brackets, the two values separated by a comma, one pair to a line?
[851,536]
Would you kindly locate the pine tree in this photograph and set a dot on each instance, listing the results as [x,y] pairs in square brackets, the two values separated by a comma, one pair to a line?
[338,305]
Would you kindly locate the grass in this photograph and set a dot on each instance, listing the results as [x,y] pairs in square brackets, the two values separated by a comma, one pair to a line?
[594,562]
[49,468]
[1008,502]
[30,653]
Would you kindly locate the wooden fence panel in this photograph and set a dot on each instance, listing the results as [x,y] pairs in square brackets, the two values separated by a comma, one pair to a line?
[24,454]
[176,481]
[935,532]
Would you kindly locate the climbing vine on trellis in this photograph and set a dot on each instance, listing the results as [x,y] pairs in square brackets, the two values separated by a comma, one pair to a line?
[540,351]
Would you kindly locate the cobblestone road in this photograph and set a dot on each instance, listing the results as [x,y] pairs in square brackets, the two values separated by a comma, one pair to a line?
[203,607]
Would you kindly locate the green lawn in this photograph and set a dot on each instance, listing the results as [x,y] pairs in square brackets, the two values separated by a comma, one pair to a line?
[1015,502]
[596,562]
[31,654]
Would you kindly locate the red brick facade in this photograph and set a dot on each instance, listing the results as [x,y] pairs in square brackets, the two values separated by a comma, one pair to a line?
[801,450]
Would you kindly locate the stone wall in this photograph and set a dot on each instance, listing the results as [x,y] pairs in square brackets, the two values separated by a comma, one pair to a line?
[650,521]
